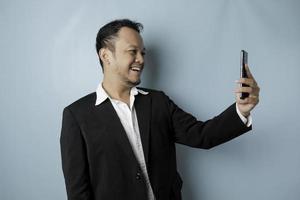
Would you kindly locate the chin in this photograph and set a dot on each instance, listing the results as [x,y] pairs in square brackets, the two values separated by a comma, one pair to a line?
[134,83]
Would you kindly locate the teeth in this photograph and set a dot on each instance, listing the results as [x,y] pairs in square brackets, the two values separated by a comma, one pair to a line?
[136,69]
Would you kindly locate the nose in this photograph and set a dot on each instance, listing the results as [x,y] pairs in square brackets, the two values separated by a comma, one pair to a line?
[139,58]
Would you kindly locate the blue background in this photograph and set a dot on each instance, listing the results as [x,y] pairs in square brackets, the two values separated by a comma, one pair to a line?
[48,60]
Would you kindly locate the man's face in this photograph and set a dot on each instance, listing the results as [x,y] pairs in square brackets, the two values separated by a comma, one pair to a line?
[127,60]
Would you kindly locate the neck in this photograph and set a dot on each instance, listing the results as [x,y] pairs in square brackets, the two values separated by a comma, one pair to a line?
[116,89]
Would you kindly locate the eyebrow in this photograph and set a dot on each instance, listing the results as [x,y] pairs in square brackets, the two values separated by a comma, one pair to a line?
[134,46]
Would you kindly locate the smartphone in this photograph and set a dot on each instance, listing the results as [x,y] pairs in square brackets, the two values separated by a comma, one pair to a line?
[244,61]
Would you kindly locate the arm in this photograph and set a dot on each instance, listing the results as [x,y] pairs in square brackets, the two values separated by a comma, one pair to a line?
[192,132]
[74,159]
[222,128]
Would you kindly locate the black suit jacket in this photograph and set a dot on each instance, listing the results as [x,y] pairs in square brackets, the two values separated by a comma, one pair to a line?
[98,161]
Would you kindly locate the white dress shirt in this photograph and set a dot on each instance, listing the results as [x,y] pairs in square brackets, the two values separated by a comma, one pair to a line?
[128,118]
[247,121]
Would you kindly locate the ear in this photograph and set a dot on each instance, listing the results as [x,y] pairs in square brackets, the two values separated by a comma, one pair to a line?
[104,55]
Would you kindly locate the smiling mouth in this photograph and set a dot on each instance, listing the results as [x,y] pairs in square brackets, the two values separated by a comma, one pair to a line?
[136,69]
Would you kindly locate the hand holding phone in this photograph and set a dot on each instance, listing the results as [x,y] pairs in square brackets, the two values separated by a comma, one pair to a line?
[247,93]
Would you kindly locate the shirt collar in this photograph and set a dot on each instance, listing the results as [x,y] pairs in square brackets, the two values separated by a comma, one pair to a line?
[102,95]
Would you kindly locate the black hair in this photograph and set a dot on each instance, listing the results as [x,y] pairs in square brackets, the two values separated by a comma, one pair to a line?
[109,32]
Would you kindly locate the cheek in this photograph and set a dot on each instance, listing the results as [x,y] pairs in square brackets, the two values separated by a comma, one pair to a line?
[127,60]
[124,60]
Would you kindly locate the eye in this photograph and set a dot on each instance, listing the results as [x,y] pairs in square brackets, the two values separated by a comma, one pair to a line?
[133,51]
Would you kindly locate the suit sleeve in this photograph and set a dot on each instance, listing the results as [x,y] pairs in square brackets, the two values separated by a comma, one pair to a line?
[205,134]
[74,159]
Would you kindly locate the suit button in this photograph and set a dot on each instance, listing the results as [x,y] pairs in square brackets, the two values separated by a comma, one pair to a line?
[138,176]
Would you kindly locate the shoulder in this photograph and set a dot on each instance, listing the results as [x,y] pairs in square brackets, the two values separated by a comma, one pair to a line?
[158,97]
[84,103]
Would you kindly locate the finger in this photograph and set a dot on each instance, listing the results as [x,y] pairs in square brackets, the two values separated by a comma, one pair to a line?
[244,89]
[251,91]
[248,81]
[241,101]
[253,96]
[248,100]
[255,91]
[253,100]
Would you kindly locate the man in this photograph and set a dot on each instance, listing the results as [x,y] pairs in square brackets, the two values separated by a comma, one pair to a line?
[119,142]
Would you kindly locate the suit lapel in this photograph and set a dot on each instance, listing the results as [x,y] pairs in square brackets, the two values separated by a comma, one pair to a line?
[109,117]
[143,111]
